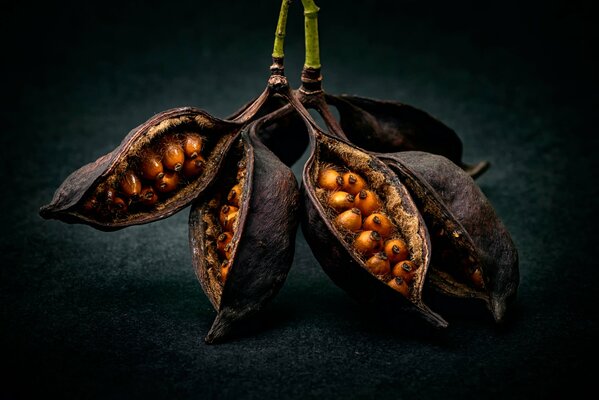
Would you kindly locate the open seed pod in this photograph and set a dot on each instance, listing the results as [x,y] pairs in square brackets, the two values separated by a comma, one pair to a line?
[159,168]
[359,260]
[242,233]
[284,132]
[388,126]
[473,253]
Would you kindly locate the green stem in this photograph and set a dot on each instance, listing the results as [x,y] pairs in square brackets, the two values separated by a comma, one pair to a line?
[277,51]
[311,33]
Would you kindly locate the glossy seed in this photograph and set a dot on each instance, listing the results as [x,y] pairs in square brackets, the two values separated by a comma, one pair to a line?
[341,201]
[230,221]
[148,196]
[118,205]
[353,183]
[380,223]
[192,145]
[173,156]
[151,166]
[378,264]
[330,179]
[90,205]
[368,243]
[234,195]
[477,279]
[193,166]
[130,184]
[168,182]
[404,269]
[396,250]
[350,220]
[368,202]
[399,285]
[223,243]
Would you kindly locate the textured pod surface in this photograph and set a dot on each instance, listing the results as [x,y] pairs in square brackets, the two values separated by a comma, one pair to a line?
[334,248]
[474,255]
[263,238]
[389,126]
[88,195]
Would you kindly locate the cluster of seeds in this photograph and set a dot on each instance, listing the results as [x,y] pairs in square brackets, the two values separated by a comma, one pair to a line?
[153,175]
[227,217]
[361,213]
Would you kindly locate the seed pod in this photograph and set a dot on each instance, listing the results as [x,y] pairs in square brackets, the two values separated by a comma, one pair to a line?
[468,231]
[337,253]
[148,196]
[389,126]
[234,195]
[192,145]
[330,179]
[380,223]
[353,183]
[263,242]
[350,220]
[396,250]
[192,167]
[368,202]
[151,165]
[130,184]
[132,155]
[378,264]
[341,201]
[173,156]
[168,182]
[404,269]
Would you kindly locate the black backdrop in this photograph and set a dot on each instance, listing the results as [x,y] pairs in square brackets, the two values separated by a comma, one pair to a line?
[88,314]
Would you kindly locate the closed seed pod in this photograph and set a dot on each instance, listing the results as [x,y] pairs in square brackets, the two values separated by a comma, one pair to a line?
[353,183]
[341,201]
[263,238]
[336,251]
[350,220]
[389,126]
[367,201]
[396,250]
[132,154]
[467,230]
[379,223]
[192,144]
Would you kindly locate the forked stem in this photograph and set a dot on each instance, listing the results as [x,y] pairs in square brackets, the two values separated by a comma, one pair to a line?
[311,34]
[277,51]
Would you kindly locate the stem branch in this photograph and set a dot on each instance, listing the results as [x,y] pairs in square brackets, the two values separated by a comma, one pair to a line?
[277,51]
[311,33]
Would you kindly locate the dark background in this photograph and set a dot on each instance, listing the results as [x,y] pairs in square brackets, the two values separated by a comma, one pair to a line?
[88,314]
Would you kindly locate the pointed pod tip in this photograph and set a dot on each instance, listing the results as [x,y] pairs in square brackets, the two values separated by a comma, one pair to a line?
[46,212]
[220,328]
[498,307]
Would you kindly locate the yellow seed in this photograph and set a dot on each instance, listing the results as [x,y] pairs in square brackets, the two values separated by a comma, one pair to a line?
[341,201]
[223,244]
[330,179]
[353,183]
[350,220]
[234,195]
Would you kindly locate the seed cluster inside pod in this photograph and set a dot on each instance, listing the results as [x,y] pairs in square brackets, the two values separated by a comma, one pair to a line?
[154,171]
[360,213]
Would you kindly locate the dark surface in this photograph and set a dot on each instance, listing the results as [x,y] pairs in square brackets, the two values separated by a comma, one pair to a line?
[88,314]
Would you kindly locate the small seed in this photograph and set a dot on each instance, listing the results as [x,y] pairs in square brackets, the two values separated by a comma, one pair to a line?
[230,221]
[234,195]
[353,183]
[227,216]
[380,223]
[168,182]
[350,220]
[118,205]
[477,278]
[173,156]
[400,285]
[151,167]
[368,202]
[90,204]
[330,179]
[130,184]
[110,195]
[193,166]
[224,270]
[396,250]
[192,145]
[378,264]
[341,201]
[223,243]
[405,269]
[368,243]
[148,196]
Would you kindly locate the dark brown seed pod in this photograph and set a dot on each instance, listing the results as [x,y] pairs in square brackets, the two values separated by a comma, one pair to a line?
[336,252]
[380,223]
[130,184]
[468,231]
[368,202]
[263,240]
[341,201]
[173,156]
[389,126]
[192,144]
[350,220]
[150,165]
[353,183]
[133,154]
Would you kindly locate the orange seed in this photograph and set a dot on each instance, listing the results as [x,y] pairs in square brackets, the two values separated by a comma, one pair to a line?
[173,156]
[168,182]
[350,220]
[378,264]
[330,179]
[368,242]
[130,184]
[341,201]
[353,183]
[380,223]
[396,250]
[368,202]
[192,145]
